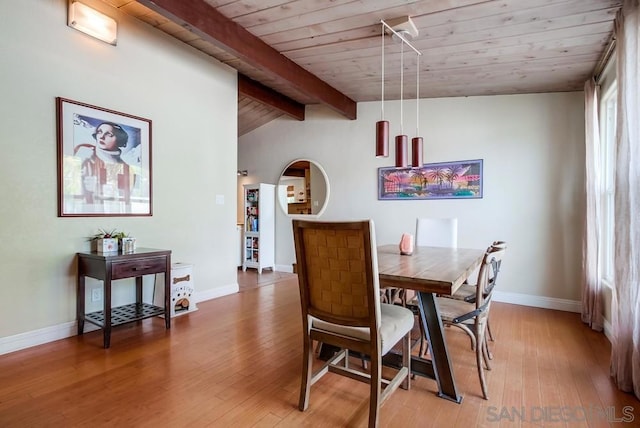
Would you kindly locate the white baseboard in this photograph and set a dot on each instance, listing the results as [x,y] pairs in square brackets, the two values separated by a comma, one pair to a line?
[68,329]
[537,301]
[41,336]
[214,293]
[284,268]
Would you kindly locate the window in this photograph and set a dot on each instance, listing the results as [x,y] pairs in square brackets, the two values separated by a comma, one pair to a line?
[608,109]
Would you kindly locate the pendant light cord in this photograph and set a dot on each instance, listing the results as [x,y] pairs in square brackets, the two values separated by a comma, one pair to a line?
[382,97]
[404,41]
[401,85]
[417,93]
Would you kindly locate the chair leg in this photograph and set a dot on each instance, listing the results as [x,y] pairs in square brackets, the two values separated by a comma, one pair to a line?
[470,330]
[486,345]
[424,346]
[307,368]
[376,389]
[406,360]
[486,354]
[489,331]
[479,358]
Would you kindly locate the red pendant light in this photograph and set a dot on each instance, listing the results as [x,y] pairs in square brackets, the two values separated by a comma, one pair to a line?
[382,139]
[401,151]
[416,152]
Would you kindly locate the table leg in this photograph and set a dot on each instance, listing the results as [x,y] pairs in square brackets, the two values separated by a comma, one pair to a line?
[439,355]
[139,290]
[106,329]
[80,303]
[167,295]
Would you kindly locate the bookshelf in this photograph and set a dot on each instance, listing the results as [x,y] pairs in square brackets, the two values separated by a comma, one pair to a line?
[259,226]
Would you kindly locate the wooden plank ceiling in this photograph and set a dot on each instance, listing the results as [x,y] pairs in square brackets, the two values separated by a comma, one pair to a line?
[291,53]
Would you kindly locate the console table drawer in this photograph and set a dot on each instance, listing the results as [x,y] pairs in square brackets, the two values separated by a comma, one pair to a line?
[128,269]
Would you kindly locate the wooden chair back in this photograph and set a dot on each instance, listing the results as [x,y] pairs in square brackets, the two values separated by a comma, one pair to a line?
[490,263]
[340,299]
[337,272]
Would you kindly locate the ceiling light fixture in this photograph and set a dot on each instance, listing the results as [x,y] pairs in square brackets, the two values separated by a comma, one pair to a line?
[402,26]
[93,23]
[402,30]
[243,173]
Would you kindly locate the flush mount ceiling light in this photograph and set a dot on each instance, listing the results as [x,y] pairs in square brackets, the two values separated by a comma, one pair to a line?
[93,23]
[404,27]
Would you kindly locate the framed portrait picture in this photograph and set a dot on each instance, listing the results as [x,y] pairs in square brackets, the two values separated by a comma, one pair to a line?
[104,162]
[443,180]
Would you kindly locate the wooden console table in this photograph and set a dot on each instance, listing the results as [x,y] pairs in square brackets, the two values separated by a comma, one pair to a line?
[112,266]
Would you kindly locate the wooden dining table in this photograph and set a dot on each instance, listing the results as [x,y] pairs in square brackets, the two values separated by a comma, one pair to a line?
[430,271]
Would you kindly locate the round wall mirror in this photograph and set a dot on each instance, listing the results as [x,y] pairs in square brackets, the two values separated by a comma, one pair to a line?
[303,188]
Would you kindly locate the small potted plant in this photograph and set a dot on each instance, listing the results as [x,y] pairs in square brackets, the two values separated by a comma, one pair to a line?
[106,241]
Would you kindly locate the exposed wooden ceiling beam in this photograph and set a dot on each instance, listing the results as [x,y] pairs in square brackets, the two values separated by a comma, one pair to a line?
[257,91]
[203,19]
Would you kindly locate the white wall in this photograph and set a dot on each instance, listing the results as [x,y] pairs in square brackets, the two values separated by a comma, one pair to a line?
[533,151]
[191,99]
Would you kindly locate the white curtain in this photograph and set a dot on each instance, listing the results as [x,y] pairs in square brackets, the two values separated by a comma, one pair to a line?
[625,357]
[591,267]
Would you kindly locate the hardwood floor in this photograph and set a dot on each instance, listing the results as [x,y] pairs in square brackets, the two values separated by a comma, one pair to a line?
[236,363]
[249,279]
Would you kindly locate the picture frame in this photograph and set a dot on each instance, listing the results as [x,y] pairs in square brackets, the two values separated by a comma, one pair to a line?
[442,180]
[104,162]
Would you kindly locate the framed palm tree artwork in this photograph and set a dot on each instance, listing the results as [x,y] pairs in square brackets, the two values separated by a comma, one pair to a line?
[443,180]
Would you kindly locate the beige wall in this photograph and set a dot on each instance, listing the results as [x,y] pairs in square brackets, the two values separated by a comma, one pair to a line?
[191,100]
[533,152]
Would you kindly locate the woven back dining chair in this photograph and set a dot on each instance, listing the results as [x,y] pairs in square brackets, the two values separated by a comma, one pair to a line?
[340,299]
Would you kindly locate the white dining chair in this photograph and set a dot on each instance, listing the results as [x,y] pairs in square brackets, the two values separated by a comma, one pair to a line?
[437,232]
